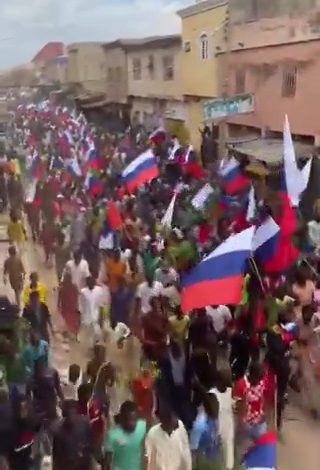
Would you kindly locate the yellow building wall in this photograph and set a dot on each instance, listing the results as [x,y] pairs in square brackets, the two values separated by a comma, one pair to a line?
[194,122]
[199,77]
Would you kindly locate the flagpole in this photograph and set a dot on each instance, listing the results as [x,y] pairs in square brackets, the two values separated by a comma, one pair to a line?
[255,267]
[311,268]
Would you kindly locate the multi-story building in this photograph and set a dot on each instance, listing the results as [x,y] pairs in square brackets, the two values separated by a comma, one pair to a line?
[143,78]
[55,71]
[154,83]
[86,66]
[274,53]
[202,28]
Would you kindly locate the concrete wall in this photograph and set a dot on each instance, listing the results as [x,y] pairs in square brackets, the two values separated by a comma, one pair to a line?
[249,10]
[116,70]
[86,66]
[153,83]
[264,77]
[273,31]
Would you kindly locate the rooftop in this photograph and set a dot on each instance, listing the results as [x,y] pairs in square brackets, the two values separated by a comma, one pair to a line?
[48,52]
[201,7]
[269,151]
[148,42]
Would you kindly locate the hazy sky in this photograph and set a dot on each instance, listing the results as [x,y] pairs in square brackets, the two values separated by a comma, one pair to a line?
[26,25]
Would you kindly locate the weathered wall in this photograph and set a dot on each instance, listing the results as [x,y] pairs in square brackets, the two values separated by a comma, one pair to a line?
[264,77]
[248,10]
[117,82]
[156,86]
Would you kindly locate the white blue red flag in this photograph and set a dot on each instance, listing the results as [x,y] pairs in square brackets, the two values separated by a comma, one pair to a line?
[266,240]
[141,170]
[263,454]
[233,180]
[218,278]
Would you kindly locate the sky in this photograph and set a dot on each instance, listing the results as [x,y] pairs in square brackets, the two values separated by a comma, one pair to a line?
[26,26]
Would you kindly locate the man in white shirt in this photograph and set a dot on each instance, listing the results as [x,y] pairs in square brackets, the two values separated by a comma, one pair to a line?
[166,275]
[91,303]
[220,316]
[79,269]
[145,291]
[167,444]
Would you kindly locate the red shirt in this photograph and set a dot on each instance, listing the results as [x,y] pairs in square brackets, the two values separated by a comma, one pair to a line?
[253,397]
[93,412]
[142,393]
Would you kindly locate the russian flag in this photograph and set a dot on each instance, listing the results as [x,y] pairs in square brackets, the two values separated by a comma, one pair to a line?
[233,180]
[113,216]
[142,170]
[263,454]
[158,136]
[37,167]
[72,165]
[93,184]
[218,278]
[92,160]
[286,254]
[266,240]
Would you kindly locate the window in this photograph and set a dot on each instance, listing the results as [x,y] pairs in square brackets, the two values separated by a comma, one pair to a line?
[204,47]
[187,46]
[240,81]
[289,81]
[136,66]
[151,67]
[110,74]
[118,74]
[253,10]
[168,67]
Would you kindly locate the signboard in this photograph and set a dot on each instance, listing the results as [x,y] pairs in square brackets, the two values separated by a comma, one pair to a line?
[175,110]
[231,106]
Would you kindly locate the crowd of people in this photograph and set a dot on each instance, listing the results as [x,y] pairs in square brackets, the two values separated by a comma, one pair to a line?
[208,382]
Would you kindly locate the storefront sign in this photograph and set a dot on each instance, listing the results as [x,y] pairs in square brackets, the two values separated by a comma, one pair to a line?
[231,106]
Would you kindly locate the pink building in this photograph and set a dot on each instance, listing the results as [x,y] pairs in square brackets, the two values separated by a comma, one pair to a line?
[278,60]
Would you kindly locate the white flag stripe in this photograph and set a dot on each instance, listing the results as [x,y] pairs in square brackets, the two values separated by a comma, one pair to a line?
[148,155]
[168,216]
[305,175]
[229,166]
[202,195]
[267,230]
[238,242]
[251,205]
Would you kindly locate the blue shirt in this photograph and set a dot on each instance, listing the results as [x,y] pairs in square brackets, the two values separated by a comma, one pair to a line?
[203,436]
[33,353]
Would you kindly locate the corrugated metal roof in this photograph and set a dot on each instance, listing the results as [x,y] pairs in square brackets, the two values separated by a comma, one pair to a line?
[270,150]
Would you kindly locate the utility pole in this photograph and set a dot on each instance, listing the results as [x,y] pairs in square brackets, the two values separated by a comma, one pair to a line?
[225,89]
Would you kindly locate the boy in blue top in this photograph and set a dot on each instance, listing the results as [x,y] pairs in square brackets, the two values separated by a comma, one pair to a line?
[124,444]
[204,434]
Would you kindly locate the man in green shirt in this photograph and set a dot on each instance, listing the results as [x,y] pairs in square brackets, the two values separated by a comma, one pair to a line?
[124,442]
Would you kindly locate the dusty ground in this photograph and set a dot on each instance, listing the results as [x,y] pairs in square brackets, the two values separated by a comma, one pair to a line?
[300,449]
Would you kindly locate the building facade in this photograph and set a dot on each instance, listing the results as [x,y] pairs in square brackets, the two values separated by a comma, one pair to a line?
[202,29]
[86,66]
[154,84]
[274,53]
[116,67]
[143,78]
[55,71]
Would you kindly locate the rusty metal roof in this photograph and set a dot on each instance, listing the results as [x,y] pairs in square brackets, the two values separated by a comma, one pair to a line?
[269,151]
